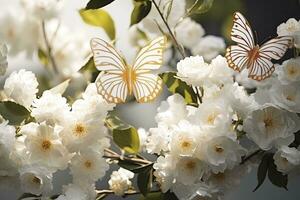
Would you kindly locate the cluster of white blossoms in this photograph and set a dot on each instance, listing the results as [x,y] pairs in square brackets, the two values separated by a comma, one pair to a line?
[27,21]
[119,181]
[60,137]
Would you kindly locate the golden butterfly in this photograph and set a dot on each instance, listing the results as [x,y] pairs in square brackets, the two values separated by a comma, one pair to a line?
[247,54]
[117,79]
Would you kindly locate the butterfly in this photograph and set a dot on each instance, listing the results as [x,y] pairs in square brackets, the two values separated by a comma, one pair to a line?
[246,53]
[117,79]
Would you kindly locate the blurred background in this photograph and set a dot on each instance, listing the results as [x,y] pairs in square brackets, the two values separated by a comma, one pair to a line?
[264,17]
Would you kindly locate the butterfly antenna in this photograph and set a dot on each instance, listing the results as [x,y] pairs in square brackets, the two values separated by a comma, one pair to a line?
[256,37]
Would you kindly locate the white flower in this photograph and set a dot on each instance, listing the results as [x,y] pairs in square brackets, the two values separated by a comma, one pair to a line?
[286,159]
[189,170]
[63,43]
[119,181]
[21,86]
[176,10]
[7,140]
[3,59]
[189,32]
[42,9]
[289,71]
[212,114]
[36,180]
[221,74]
[143,135]
[40,144]
[88,166]
[184,139]
[11,24]
[50,107]
[77,192]
[269,126]
[193,70]
[286,96]
[85,125]
[171,111]
[288,28]
[222,153]
[209,47]
[165,171]
[158,139]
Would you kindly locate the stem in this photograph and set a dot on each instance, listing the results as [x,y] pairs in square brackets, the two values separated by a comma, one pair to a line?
[115,156]
[181,51]
[245,159]
[49,50]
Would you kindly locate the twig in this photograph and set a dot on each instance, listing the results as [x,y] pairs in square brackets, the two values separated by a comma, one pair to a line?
[49,50]
[115,156]
[245,159]
[180,49]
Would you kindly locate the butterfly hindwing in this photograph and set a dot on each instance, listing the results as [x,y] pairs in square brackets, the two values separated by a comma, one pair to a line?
[237,57]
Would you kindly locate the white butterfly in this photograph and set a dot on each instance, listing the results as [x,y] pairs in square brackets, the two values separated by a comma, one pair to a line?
[248,54]
[117,80]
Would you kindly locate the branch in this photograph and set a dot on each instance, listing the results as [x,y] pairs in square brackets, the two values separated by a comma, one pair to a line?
[246,158]
[180,49]
[49,50]
[115,156]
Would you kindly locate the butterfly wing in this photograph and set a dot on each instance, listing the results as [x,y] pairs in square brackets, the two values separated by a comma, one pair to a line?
[147,86]
[241,33]
[273,49]
[110,83]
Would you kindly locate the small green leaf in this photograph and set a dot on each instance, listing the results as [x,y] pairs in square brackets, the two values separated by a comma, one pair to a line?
[114,122]
[127,139]
[60,88]
[277,178]
[140,11]
[99,18]
[152,196]
[176,85]
[43,57]
[13,112]
[200,6]
[95,4]
[144,181]
[89,66]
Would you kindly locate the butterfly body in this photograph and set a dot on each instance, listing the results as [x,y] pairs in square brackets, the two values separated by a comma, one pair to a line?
[117,79]
[246,53]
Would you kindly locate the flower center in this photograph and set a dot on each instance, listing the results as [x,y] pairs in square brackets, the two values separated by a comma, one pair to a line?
[190,165]
[36,180]
[219,149]
[79,130]
[211,118]
[268,122]
[290,97]
[46,145]
[88,164]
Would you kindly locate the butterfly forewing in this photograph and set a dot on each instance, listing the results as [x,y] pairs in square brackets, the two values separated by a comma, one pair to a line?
[150,56]
[241,32]
[275,48]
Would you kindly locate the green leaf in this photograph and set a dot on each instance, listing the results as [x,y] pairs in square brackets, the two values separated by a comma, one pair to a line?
[176,85]
[140,11]
[144,181]
[277,178]
[99,18]
[60,88]
[200,6]
[124,135]
[43,57]
[13,112]
[152,196]
[28,195]
[127,139]
[133,167]
[262,170]
[89,66]
[95,4]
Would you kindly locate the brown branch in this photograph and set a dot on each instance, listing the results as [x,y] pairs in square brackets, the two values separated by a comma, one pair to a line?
[180,49]
[49,50]
[245,159]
